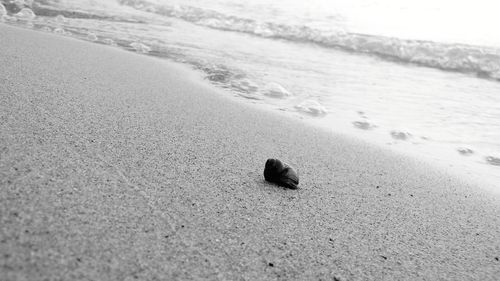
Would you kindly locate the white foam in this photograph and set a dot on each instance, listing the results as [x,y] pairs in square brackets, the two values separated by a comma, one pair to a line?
[46,29]
[363,125]
[60,31]
[465,151]
[61,19]
[109,41]
[19,3]
[9,18]
[399,135]
[23,3]
[275,90]
[25,14]
[493,160]
[311,107]
[3,11]
[92,37]
[244,85]
[140,48]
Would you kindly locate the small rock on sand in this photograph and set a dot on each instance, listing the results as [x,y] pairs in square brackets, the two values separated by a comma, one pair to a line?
[280,173]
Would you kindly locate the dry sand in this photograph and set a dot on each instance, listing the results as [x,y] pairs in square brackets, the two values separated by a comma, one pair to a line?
[117,166]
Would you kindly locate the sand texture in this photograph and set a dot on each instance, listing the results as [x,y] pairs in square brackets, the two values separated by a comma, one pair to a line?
[118,166]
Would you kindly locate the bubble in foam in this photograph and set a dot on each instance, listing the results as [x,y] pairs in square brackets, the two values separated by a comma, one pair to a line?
[59,30]
[150,9]
[244,85]
[91,36]
[46,29]
[22,3]
[18,3]
[399,135]
[109,41]
[275,90]
[61,19]
[25,14]
[140,48]
[495,161]
[311,107]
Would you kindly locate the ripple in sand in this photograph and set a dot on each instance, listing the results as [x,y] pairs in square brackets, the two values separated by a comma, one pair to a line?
[92,37]
[465,151]
[275,90]
[25,14]
[140,48]
[363,125]
[311,107]
[398,135]
[493,160]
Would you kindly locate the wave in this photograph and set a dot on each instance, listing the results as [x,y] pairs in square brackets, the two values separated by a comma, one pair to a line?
[483,62]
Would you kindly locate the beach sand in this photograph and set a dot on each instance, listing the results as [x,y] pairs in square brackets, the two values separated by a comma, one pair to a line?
[119,166]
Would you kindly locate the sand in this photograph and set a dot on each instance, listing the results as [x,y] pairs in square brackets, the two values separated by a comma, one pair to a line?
[119,166]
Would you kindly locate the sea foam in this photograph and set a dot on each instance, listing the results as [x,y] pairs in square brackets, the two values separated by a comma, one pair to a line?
[140,48]
[109,41]
[483,62]
[275,90]
[25,14]
[311,107]
[92,37]
[3,11]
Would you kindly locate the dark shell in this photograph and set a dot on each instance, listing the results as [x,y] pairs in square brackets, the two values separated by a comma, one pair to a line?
[281,174]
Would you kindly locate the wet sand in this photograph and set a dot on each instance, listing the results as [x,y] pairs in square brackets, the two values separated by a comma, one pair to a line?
[118,166]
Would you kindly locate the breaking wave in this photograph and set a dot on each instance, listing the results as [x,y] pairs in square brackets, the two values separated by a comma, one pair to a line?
[483,62]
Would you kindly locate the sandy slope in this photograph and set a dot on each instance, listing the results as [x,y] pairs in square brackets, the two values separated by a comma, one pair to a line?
[119,166]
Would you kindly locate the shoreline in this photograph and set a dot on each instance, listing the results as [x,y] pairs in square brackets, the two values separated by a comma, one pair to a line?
[117,165]
[478,166]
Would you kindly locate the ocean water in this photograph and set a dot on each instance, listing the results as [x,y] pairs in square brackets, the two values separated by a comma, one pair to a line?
[416,77]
